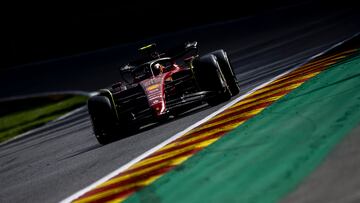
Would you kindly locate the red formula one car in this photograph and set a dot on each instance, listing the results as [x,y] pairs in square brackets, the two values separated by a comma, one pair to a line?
[160,85]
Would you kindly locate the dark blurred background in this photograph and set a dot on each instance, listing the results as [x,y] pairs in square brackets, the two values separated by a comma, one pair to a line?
[37,32]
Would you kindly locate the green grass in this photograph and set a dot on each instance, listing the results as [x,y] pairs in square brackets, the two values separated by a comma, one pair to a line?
[21,121]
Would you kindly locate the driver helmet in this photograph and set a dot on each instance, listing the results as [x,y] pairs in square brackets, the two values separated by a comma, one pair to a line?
[159,67]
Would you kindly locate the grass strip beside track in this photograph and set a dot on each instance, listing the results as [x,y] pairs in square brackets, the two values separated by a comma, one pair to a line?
[21,121]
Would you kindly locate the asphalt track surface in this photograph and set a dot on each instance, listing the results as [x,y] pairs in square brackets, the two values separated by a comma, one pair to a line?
[63,157]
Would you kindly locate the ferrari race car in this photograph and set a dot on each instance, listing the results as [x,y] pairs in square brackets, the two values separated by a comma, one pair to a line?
[160,85]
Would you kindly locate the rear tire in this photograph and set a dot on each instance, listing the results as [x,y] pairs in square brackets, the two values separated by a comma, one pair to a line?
[103,118]
[227,70]
[210,78]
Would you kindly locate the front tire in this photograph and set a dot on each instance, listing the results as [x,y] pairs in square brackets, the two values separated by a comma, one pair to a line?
[210,78]
[103,118]
[227,70]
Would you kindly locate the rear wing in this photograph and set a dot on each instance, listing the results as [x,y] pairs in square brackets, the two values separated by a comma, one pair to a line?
[150,53]
[182,50]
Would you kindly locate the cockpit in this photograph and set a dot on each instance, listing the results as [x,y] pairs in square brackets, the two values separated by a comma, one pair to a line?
[147,70]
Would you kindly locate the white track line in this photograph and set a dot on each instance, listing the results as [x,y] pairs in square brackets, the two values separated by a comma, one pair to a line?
[75,110]
[176,136]
[69,114]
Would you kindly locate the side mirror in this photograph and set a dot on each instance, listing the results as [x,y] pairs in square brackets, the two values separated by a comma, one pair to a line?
[126,73]
[126,68]
[191,45]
